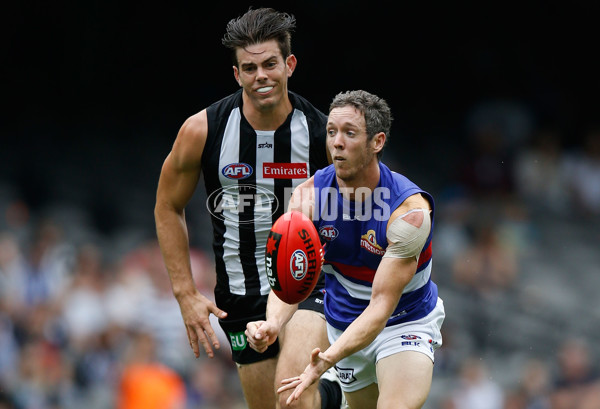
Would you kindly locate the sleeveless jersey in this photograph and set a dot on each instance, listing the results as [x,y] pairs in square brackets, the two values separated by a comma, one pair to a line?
[355,237]
[249,177]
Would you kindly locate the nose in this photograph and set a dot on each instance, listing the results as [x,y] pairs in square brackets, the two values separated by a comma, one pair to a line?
[338,140]
[261,74]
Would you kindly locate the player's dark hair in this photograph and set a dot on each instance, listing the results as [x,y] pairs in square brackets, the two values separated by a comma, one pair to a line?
[257,26]
[377,113]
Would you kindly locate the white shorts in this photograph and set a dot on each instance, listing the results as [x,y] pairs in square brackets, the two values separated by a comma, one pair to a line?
[359,369]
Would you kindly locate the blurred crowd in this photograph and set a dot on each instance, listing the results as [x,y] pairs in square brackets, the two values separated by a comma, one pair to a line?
[79,331]
[87,321]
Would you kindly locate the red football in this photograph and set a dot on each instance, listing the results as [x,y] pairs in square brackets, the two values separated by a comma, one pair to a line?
[294,257]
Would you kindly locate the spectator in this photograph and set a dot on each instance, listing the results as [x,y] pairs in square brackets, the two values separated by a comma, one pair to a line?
[44,378]
[82,307]
[538,172]
[533,389]
[12,269]
[475,390]
[159,312]
[583,174]
[6,401]
[486,267]
[576,385]
[210,387]
[145,383]
[485,272]
[486,168]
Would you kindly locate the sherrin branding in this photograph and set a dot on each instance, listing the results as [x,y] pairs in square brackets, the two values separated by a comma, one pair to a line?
[293,257]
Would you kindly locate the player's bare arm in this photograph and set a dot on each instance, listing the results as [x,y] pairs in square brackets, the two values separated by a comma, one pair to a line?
[261,334]
[178,180]
[393,274]
[391,278]
[416,201]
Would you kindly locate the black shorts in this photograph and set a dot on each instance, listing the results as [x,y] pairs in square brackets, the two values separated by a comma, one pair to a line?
[243,309]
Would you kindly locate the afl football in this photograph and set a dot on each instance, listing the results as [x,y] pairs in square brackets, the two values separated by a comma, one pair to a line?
[293,257]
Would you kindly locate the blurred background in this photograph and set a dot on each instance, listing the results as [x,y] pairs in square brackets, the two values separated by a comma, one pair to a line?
[496,115]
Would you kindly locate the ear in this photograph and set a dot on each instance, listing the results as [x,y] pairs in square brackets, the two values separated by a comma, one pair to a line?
[378,142]
[236,75]
[291,62]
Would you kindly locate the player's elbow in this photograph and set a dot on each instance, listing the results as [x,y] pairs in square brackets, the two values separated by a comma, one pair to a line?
[163,212]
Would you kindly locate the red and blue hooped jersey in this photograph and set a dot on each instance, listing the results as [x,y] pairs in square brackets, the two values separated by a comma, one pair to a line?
[354,234]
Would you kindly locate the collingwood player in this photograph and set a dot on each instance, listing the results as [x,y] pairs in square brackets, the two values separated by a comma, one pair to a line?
[253,148]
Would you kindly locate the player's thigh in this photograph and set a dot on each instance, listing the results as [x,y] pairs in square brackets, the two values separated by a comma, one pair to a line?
[258,381]
[305,331]
[404,380]
[365,398]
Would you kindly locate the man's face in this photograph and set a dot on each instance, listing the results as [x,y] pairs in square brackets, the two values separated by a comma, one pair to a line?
[263,73]
[347,142]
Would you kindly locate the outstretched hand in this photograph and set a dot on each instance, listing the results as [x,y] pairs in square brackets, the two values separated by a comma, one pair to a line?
[317,367]
[196,310]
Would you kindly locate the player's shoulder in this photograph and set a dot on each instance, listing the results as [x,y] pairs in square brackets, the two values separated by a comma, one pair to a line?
[416,201]
[195,126]
[225,104]
[408,195]
[189,145]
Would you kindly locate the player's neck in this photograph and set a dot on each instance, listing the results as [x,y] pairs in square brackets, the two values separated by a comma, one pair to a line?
[369,178]
[267,118]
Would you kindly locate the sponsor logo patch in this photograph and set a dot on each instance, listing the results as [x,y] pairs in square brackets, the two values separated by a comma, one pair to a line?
[369,243]
[273,170]
[346,375]
[238,340]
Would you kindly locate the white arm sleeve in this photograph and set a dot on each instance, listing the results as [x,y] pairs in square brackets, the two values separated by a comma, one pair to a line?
[407,238]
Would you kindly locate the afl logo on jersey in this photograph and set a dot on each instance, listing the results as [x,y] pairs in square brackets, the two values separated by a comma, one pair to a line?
[298,264]
[329,233]
[237,171]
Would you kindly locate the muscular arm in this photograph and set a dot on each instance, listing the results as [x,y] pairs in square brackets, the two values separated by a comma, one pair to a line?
[393,274]
[261,334]
[178,179]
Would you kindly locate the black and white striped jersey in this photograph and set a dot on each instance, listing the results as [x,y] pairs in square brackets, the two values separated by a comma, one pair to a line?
[249,176]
